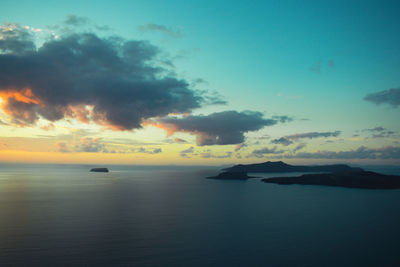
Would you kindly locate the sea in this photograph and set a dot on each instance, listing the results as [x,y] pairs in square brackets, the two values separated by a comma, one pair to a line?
[64,215]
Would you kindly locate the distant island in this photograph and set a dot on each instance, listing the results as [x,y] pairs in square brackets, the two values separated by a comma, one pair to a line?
[329,175]
[99,170]
[231,176]
[357,179]
[279,166]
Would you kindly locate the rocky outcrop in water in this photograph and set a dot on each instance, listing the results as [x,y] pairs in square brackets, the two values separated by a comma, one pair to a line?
[231,176]
[99,170]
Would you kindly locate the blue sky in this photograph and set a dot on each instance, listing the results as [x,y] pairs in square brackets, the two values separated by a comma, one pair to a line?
[311,60]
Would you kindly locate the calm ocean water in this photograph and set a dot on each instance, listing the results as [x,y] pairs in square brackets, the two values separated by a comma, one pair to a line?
[63,215]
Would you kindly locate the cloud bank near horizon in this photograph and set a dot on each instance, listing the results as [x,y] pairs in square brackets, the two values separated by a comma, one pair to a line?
[219,128]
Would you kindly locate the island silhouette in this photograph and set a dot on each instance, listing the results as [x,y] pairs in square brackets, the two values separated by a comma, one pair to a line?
[280,166]
[329,175]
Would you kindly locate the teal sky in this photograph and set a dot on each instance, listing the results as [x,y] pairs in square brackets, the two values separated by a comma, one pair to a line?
[314,61]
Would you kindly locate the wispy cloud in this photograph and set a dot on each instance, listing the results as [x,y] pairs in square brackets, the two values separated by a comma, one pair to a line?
[288,139]
[362,152]
[186,152]
[209,155]
[391,97]
[147,151]
[260,153]
[316,67]
[88,144]
[62,147]
[151,27]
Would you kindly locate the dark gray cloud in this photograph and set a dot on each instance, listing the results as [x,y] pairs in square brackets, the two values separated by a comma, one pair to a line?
[147,151]
[76,21]
[260,153]
[282,119]
[391,97]
[312,135]
[209,155]
[299,147]
[383,134]
[110,81]
[282,141]
[220,128]
[288,140]
[376,129]
[185,153]
[380,132]
[151,27]
[362,152]
[212,98]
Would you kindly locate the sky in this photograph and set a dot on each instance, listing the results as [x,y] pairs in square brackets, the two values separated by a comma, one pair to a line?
[200,82]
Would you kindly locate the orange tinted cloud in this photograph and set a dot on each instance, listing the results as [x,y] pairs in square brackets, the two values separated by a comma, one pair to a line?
[25,95]
[170,129]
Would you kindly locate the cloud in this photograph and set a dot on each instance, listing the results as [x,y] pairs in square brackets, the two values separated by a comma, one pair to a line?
[362,152]
[211,97]
[48,127]
[209,155]
[312,135]
[383,134]
[220,128]
[15,40]
[282,119]
[282,141]
[76,21]
[240,146]
[376,129]
[299,147]
[391,97]
[260,153]
[88,144]
[151,27]
[62,147]
[379,132]
[184,153]
[180,140]
[147,151]
[106,80]
[288,140]
[316,67]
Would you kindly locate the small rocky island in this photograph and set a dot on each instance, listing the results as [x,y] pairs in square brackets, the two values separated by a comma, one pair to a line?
[356,179]
[231,176]
[99,170]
